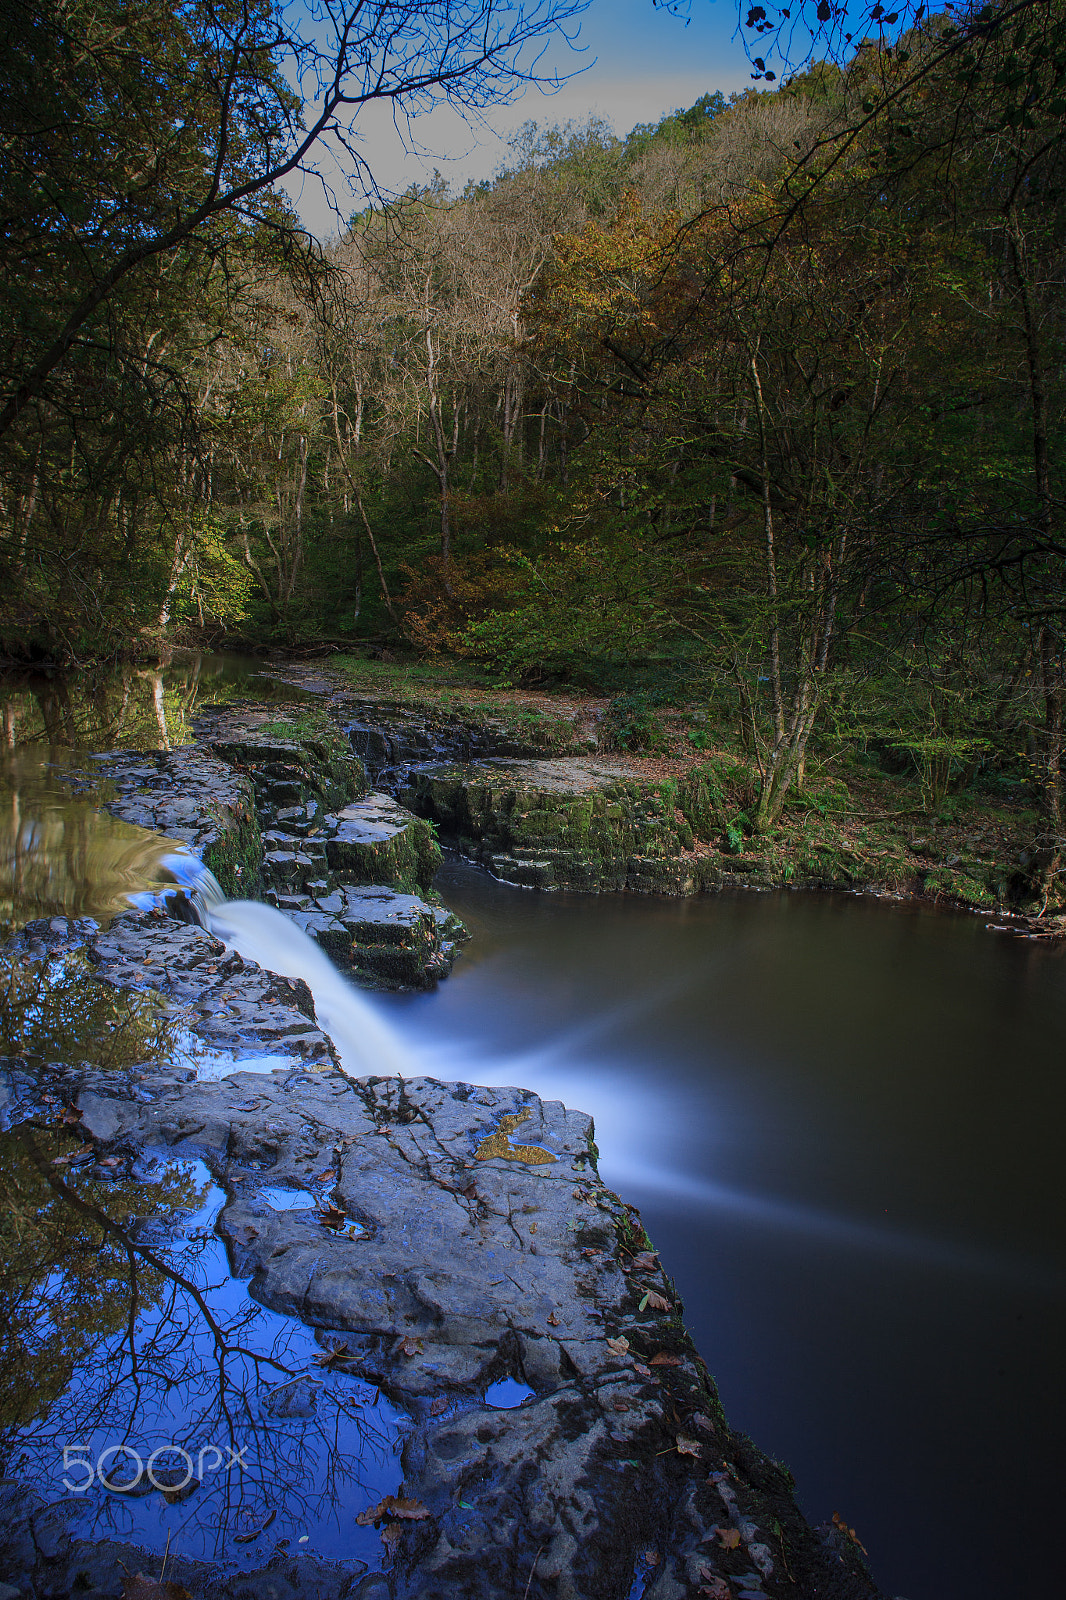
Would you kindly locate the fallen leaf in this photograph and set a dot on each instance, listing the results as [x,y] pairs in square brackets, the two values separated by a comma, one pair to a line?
[687,1447]
[333,1356]
[651,1557]
[730,1538]
[664,1360]
[331,1216]
[553,1320]
[641,1370]
[646,1261]
[849,1533]
[142,1588]
[715,1587]
[438,1406]
[703,1423]
[324,1177]
[411,1346]
[657,1301]
[622,1405]
[470,1192]
[619,1346]
[110,1161]
[391,1534]
[393,1506]
[593,1255]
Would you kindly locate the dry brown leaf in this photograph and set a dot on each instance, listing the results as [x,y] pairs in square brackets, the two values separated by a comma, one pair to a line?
[327,1176]
[619,1346]
[438,1406]
[411,1346]
[646,1261]
[715,1587]
[657,1302]
[730,1538]
[393,1506]
[553,1320]
[592,1254]
[622,1405]
[652,1558]
[703,1423]
[664,1360]
[391,1534]
[641,1370]
[849,1533]
[687,1447]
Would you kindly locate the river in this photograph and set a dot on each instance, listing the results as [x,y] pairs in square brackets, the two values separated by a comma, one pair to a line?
[843,1122]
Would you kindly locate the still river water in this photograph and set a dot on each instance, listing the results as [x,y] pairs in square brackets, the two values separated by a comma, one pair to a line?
[843,1122]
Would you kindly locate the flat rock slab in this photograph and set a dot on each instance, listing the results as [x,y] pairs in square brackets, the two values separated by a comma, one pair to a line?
[391,939]
[571,823]
[378,841]
[460,1236]
[191,796]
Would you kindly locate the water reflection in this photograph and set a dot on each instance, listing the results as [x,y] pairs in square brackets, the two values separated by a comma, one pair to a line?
[129,1342]
[129,707]
[57,1010]
[61,854]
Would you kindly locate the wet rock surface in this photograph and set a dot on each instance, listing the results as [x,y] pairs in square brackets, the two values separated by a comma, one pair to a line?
[212,993]
[566,823]
[388,939]
[461,1236]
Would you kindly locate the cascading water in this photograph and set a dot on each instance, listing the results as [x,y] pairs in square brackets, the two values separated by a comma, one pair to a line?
[260,933]
[266,936]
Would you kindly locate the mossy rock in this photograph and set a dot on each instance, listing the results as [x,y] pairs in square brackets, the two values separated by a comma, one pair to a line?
[235,857]
[379,842]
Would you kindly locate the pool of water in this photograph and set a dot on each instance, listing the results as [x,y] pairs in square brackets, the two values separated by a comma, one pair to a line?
[843,1122]
[148,1398]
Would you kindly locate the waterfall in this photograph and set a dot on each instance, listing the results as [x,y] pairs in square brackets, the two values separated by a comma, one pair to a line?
[259,933]
[364,1041]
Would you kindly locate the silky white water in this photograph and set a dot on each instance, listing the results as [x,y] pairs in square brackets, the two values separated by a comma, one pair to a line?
[365,1044]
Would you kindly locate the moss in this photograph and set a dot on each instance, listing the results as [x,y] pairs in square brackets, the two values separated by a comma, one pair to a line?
[236,857]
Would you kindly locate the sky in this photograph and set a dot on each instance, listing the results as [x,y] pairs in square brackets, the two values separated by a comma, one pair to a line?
[633,63]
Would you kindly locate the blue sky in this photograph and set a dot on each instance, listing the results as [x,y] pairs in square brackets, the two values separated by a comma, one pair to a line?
[639,63]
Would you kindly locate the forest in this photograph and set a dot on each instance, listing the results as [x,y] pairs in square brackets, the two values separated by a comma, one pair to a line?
[760,404]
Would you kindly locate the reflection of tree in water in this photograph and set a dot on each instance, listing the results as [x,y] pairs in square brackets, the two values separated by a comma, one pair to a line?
[58,1010]
[126,1328]
[60,854]
[139,708]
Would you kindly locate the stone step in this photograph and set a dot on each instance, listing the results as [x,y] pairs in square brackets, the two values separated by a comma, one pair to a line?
[377,841]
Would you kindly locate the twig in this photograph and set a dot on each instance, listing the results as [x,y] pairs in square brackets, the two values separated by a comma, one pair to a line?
[533,1569]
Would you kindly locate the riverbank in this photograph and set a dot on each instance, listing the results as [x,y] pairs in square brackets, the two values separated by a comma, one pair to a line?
[441,1239]
[674,819]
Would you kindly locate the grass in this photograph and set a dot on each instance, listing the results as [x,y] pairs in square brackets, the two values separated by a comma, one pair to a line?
[856,823]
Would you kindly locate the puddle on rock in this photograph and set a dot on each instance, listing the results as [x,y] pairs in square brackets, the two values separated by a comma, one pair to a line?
[62,855]
[147,1398]
[507,1393]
